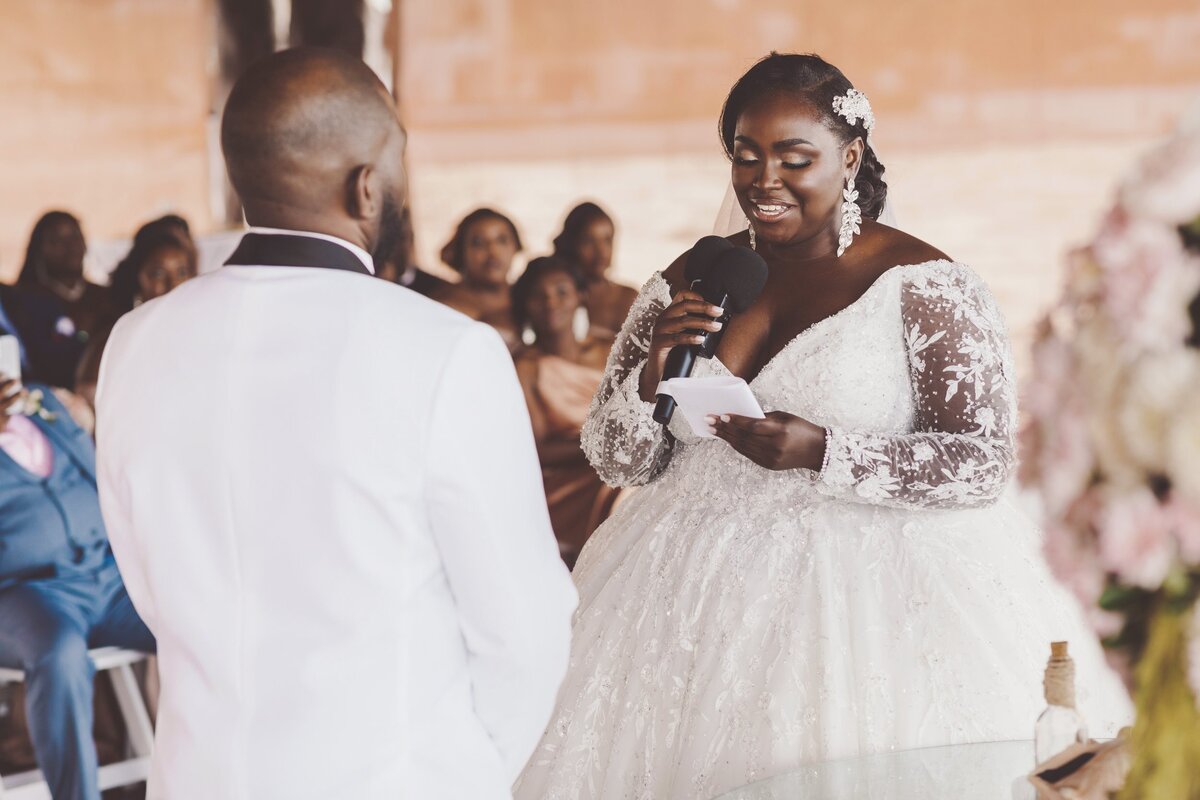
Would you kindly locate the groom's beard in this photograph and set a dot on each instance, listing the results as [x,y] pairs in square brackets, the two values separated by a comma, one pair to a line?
[391,228]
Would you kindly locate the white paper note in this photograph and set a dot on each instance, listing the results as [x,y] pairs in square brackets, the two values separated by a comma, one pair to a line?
[719,394]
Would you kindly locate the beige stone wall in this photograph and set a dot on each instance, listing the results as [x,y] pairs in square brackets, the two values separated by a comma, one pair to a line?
[575,77]
[103,109]
[531,104]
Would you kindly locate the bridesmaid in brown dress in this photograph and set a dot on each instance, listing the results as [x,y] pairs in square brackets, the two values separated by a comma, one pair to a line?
[586,240]
[482,251]
[560,373]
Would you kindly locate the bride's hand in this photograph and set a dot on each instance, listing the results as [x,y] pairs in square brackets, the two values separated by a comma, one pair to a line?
[781,441]
[681,323]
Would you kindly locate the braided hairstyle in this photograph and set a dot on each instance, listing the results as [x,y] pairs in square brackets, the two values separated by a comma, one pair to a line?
[817,82]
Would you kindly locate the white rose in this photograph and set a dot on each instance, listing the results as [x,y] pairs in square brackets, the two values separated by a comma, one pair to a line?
[1183,447]
[1156,388]
[1166,184]
[1103,377]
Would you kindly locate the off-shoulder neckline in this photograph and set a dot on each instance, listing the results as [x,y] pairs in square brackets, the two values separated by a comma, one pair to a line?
[886,273]
[802,335]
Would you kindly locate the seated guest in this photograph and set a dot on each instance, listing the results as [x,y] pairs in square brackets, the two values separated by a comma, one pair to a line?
[60,592]
[170,224]
[162,257]
[482,251]
[586,240]
[53,268]
[560,374]
[48,344]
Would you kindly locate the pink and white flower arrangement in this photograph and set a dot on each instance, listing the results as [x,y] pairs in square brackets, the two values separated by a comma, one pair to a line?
[1112,440]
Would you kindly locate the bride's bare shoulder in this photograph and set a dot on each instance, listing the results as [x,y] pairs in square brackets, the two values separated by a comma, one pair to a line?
[892,247]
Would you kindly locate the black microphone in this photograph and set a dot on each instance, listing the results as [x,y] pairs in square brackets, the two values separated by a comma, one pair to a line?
[704,253]
[733,279]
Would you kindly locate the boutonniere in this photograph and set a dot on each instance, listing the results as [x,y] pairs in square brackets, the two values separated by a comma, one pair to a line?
[34,405]
[65,328]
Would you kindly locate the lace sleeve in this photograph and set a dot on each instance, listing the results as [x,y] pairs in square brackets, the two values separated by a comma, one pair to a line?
[620,437]
[962,450]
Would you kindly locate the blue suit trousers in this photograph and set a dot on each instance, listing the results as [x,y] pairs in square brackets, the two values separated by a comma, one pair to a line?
[46,628]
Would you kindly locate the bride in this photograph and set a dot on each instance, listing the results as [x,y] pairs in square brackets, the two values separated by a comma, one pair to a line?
[844,576]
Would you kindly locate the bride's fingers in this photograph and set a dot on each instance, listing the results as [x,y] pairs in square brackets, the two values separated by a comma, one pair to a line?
[692,309]
[745,443]
[667,340]
[748,426]
[686,294]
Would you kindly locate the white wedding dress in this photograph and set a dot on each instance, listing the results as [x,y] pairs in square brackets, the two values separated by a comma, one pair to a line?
[736,622]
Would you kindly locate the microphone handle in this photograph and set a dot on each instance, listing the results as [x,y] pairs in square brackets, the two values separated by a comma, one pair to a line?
[681,360]
[713,338]
[679,364]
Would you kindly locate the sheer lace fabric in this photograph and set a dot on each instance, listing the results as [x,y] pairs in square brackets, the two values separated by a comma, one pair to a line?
[737,622]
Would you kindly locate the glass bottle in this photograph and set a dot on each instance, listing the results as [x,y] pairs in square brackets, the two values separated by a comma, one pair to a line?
[1060,725]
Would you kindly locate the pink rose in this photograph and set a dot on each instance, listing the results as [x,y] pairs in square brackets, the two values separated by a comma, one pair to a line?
[1056,451]
[1135,538]
[1146,280]
[1069,545]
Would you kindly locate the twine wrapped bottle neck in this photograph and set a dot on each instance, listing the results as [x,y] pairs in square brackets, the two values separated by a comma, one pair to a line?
[1059,683]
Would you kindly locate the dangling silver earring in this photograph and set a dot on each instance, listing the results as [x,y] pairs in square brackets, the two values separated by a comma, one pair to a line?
[851,217]
[753,241]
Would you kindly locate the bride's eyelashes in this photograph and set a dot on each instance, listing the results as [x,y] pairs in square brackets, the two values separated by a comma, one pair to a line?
[743,161]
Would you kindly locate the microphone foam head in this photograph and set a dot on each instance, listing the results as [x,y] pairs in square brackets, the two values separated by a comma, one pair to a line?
[702,255]
[740,273]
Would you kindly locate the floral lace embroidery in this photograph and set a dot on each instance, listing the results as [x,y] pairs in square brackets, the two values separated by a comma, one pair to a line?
[961,452]
[620,438]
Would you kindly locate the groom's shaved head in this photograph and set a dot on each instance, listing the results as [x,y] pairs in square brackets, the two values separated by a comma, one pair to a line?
[297,128]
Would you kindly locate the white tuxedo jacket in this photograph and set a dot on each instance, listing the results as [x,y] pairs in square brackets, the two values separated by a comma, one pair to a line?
[324,498]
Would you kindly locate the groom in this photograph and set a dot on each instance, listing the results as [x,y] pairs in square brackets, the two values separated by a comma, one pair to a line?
[322,489]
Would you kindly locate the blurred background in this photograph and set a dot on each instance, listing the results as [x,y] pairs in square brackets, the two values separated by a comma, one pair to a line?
[1003,126]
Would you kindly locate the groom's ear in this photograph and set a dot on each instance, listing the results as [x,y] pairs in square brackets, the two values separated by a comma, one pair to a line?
[364,193]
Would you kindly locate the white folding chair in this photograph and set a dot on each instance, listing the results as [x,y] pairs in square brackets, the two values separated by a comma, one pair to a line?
[118,664]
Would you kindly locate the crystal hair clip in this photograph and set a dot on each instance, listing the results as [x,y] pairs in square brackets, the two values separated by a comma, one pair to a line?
[853,106]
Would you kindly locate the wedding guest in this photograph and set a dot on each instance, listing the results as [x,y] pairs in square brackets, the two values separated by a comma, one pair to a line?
[401,266]
[162,258]
[560,373]
[587,240]
[54,268]
[482,251]
[38,321]
[60,592]
[171,224]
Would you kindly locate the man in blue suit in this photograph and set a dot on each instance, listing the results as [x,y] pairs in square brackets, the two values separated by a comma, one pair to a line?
[60,592]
